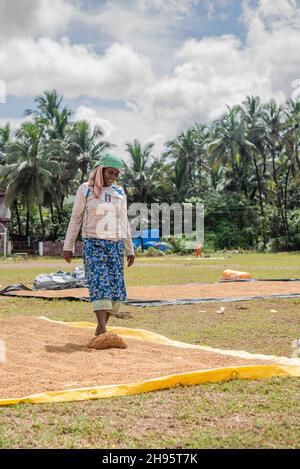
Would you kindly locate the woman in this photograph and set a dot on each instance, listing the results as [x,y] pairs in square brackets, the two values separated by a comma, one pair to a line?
[100,207]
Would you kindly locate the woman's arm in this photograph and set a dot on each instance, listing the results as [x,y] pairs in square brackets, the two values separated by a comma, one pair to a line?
[128,240]
[75,221]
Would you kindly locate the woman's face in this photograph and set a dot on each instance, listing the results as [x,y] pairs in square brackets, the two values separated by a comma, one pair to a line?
[110,175]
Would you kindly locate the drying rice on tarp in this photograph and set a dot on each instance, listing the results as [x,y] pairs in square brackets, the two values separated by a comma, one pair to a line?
[192,290]
[47,356]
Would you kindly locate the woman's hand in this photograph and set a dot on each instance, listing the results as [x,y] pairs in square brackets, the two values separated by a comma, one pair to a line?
[68,256]
[130,260]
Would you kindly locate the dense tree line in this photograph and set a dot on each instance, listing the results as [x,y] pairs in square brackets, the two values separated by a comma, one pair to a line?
[245,167]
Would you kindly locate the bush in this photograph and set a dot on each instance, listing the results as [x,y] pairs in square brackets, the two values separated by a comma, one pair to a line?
[260,247]
[230,221]
[179,244]
[151,252]
[283,243]
[210,242]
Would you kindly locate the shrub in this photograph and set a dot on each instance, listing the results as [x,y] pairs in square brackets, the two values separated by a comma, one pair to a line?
[179,244]
[151,252]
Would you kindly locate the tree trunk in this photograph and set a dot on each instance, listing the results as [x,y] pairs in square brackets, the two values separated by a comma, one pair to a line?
[27,222]
[18,218]
[297,157]
[285,202]
[59,216]
[82,177]
[42,222]
[279,204]
[52,213]
[236,181]
[261,202]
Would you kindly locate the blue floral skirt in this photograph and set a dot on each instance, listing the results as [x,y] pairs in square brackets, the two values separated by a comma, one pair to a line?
[104,272]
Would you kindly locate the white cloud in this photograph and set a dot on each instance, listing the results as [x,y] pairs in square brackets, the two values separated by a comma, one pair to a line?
[296,89]
[217,71]
[85,113]
[55,16]
[2,91]
[152,27]
[32,17]
[14,122]
[170,7]
[275,14]
[31,66]
[195,79]
[126,125]
[217,8]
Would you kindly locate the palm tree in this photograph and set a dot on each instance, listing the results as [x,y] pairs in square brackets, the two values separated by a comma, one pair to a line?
[183,150]
[202,140]
[85,145]
[292,135]
[47,106]
[252,115]
[189,152]
[55,121]
[139,174]
[5,134]
[161,175]
[273,118]
[231,149]
[29,171]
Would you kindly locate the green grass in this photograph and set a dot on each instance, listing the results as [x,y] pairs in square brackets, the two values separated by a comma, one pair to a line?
[247,325]
[166,270]
[236,414]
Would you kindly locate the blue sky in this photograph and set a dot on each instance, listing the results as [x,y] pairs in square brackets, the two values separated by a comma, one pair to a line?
[147,69]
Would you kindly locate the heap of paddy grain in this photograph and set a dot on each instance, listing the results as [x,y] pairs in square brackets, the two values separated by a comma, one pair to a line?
[107,340]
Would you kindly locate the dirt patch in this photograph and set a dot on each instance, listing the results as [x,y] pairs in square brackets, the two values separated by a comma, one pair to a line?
[192,290]
[44,356]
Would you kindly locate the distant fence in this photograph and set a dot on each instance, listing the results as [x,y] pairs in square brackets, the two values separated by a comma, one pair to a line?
[55,248]
[24,244]
[42,248]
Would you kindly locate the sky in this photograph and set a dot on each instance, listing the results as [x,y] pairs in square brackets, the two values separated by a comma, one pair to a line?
[147,69]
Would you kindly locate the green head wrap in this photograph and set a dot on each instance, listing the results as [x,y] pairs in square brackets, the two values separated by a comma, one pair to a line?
[109,160]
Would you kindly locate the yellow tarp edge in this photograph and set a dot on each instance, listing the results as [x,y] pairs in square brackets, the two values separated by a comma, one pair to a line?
[165,382]
[153,337]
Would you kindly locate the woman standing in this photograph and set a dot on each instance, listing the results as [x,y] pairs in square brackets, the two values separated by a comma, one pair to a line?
[100,207]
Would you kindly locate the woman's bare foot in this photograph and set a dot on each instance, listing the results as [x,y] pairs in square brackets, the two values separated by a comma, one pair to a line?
[102,319]
[99,331]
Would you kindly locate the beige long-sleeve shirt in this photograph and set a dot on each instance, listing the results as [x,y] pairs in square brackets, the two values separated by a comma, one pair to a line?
[104,218]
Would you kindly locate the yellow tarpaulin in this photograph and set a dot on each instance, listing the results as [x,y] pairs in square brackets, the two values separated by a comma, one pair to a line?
[283,367]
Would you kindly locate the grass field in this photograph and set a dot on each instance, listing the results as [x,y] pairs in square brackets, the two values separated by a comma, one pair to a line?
[236,414]
[166,270]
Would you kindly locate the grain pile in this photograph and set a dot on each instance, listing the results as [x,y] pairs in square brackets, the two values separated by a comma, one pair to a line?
[107,340]
[46,356]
